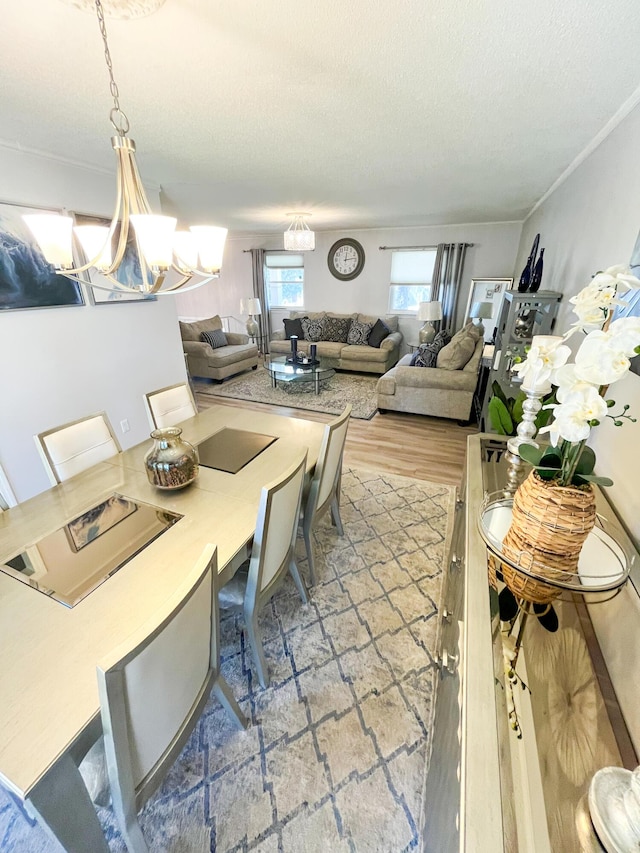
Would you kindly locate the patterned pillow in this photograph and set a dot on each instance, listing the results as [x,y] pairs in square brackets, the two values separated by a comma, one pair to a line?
[336,329]
[215,338]
[313,329]
[427,354]
[359,333]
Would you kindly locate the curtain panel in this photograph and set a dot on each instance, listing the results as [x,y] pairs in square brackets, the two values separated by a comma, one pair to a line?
[257,266]
[447,277]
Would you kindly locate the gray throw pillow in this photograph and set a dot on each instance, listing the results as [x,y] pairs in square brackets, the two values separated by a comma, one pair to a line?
[359,333]
[336,329]
[313,329]
[293,327]
[379,332]
[215,338]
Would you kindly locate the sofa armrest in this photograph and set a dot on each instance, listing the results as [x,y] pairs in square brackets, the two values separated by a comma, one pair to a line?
[278,336]
[198,349]
[435,377]
[236,338]
[392,341]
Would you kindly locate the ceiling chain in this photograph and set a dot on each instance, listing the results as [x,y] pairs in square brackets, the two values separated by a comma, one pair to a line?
[117,117]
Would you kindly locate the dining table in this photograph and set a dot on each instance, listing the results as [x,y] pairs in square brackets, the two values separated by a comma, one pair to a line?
[49,707]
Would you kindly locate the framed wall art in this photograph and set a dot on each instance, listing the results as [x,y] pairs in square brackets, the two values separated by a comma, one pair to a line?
[26,279]
[128,272]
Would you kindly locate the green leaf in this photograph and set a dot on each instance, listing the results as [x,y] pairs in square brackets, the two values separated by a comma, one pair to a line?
[498,392]
[586,462]
[499,416]
[551,458]
[517,407]
[593,478]
[530,454]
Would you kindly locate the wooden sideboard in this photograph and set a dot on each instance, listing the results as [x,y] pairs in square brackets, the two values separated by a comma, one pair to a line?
[487,789]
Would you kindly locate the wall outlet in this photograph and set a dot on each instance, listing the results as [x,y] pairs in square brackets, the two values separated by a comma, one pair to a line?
[124,425]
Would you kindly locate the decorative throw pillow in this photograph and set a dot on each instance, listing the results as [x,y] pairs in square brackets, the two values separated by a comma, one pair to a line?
[294,327]
[379,332]
[336,329]
[457,353]
[359,333]
[215,338]
[427,354]
[313,329]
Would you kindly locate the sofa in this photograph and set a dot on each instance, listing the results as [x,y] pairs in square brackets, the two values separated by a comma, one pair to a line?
[221,362]
[435,391]
[344,356]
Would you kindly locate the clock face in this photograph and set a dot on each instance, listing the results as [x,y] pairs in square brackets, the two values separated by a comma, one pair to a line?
[346,259]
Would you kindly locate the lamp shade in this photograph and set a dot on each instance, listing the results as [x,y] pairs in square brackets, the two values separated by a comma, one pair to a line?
[482,310]
[54,236]
[250,306]
[429,311]
[155,238]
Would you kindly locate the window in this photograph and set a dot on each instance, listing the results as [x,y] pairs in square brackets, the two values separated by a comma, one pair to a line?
[284,280]
[411,278]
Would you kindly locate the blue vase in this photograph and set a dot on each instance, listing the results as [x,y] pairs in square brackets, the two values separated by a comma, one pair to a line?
[536,277]
[527,272]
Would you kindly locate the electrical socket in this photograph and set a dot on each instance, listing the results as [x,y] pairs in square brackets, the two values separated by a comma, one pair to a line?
[124,425]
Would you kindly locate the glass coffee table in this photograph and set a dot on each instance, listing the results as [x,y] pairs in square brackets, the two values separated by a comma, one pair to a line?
[298,375]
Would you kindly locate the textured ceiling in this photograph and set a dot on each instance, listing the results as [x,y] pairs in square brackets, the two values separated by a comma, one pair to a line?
[364,113]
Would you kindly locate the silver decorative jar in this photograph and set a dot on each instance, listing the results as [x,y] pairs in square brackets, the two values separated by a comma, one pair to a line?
[172,463]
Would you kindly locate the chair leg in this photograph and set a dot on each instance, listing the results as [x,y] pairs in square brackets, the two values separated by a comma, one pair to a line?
[228,701]
[335,516]
[297,578]
[256,647]
[306,532]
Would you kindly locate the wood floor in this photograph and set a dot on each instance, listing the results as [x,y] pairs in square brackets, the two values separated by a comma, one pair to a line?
[412,445]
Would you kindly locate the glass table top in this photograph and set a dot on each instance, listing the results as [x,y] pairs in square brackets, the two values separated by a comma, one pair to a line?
[284,371]
[74,560]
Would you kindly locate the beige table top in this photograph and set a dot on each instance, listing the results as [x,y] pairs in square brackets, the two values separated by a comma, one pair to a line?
[48,684]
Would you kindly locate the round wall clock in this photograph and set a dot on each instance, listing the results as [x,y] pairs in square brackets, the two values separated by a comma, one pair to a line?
[346,259]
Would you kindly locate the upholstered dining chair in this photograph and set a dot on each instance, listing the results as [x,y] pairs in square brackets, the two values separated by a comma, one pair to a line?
[168,406]
[153,689]
[272,555]
[324,490]
[67,450]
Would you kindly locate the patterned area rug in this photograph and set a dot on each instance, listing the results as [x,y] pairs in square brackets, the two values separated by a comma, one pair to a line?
[336,754]
[359,389]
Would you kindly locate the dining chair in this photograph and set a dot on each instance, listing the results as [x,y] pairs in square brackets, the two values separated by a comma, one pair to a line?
[7,497]
[324,489]
[272,555]
[69,449]
[153,689]
[168,406]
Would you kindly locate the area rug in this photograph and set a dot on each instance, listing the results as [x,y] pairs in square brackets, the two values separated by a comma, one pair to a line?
[336,754]
[342,388]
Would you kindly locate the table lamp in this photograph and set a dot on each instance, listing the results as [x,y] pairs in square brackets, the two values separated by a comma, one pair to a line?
[251,306]
[481,311]
[430,312]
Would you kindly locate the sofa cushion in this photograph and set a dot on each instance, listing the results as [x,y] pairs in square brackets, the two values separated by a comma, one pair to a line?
[313,329]
[330,349]
[379,332]
[427,354]
[215,338]
[359,352]
[336,328]
[293,327]
[228,355]
[192,331]
[457,353]
[359,332]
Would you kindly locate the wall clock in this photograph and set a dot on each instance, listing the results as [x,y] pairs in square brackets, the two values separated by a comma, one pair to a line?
[346,259]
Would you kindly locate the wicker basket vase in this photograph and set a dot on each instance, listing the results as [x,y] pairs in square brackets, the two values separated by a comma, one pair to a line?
[548,528]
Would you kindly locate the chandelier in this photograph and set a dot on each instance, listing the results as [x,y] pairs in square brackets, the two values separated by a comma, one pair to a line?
[192,257]
[299,237]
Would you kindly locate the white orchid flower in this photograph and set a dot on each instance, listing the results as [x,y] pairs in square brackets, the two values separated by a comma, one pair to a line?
[598,361]
[592,306]
[618,276]
[568,382]
[547,354]
[572,419]
[624,335]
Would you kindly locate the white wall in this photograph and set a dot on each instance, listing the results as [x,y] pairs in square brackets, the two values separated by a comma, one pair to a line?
[492,255]
[59,364]
[588,223]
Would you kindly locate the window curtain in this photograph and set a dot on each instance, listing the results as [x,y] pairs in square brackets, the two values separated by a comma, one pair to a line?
[257,266]
[447,277]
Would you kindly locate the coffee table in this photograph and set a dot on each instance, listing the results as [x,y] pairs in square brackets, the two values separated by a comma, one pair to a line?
[299,374]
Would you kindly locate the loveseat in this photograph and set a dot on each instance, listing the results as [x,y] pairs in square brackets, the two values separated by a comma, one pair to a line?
[342,355]
[203,360]
[435,391]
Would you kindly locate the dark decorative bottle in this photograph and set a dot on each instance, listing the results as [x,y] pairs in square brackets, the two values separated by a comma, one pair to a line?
[536,278]
[527,272]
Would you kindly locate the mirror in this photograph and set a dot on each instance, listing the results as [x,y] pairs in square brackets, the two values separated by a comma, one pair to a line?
[485,297]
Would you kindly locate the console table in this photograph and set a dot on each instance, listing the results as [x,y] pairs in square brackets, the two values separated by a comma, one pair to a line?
[487,789]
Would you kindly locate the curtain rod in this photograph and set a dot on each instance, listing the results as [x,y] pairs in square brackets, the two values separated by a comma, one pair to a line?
[413,248]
